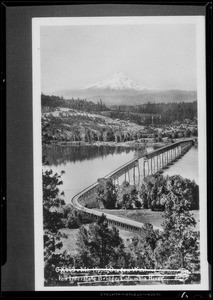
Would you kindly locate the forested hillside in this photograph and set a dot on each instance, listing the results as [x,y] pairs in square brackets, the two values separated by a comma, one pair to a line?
[160,113]
[84,121]
[88,128]
[80,104]
[164,113]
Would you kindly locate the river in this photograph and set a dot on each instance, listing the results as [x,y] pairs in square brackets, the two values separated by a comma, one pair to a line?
[187,166]
[84,165]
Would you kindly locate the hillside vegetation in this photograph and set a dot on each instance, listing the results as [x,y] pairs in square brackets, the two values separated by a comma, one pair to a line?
[75,126]
[85,121]
[142,114]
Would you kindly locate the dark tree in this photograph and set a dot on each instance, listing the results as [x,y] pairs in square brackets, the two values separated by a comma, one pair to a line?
[107,194]
[154,192]
[100,246]
[52,223]
[179,246]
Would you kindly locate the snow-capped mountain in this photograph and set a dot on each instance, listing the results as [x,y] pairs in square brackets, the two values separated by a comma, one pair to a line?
[119,89]
[118,82]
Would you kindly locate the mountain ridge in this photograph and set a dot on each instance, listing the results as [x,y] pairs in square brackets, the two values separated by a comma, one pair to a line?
[118,81]
[119,89]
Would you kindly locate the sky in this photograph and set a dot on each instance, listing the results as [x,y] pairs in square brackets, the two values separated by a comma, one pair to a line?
[161,56]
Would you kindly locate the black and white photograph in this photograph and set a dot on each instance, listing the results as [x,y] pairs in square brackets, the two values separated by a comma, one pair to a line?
[119,141]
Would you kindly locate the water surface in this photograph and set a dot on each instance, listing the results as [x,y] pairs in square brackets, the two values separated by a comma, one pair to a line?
[84,165]
[187,166]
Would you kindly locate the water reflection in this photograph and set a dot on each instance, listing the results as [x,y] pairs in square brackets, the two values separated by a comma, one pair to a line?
[58,155]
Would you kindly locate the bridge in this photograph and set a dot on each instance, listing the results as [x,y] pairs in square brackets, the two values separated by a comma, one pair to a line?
[134,171]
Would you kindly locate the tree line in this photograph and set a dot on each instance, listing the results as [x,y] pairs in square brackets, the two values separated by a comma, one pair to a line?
[153,194]
[53,102]
[84,129]
[163,113]
[159,113]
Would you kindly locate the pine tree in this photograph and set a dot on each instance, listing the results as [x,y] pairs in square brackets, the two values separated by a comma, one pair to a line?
[143,248]
[179,243]
[100,246]
[107,194]
[52,223]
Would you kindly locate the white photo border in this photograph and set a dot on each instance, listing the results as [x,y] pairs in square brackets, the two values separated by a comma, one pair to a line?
[199,22]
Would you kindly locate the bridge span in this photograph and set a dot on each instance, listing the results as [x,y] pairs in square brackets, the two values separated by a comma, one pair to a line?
[134,171]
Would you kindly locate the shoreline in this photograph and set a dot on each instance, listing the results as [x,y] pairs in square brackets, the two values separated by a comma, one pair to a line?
[131,144]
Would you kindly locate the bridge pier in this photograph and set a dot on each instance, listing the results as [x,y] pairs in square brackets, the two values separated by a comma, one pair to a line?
[151,163]
[128,176]
[134,175]
[154,166]
[138,173]
[148,165]
[163,160]
[157,164]
[144,168]
[159,161]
